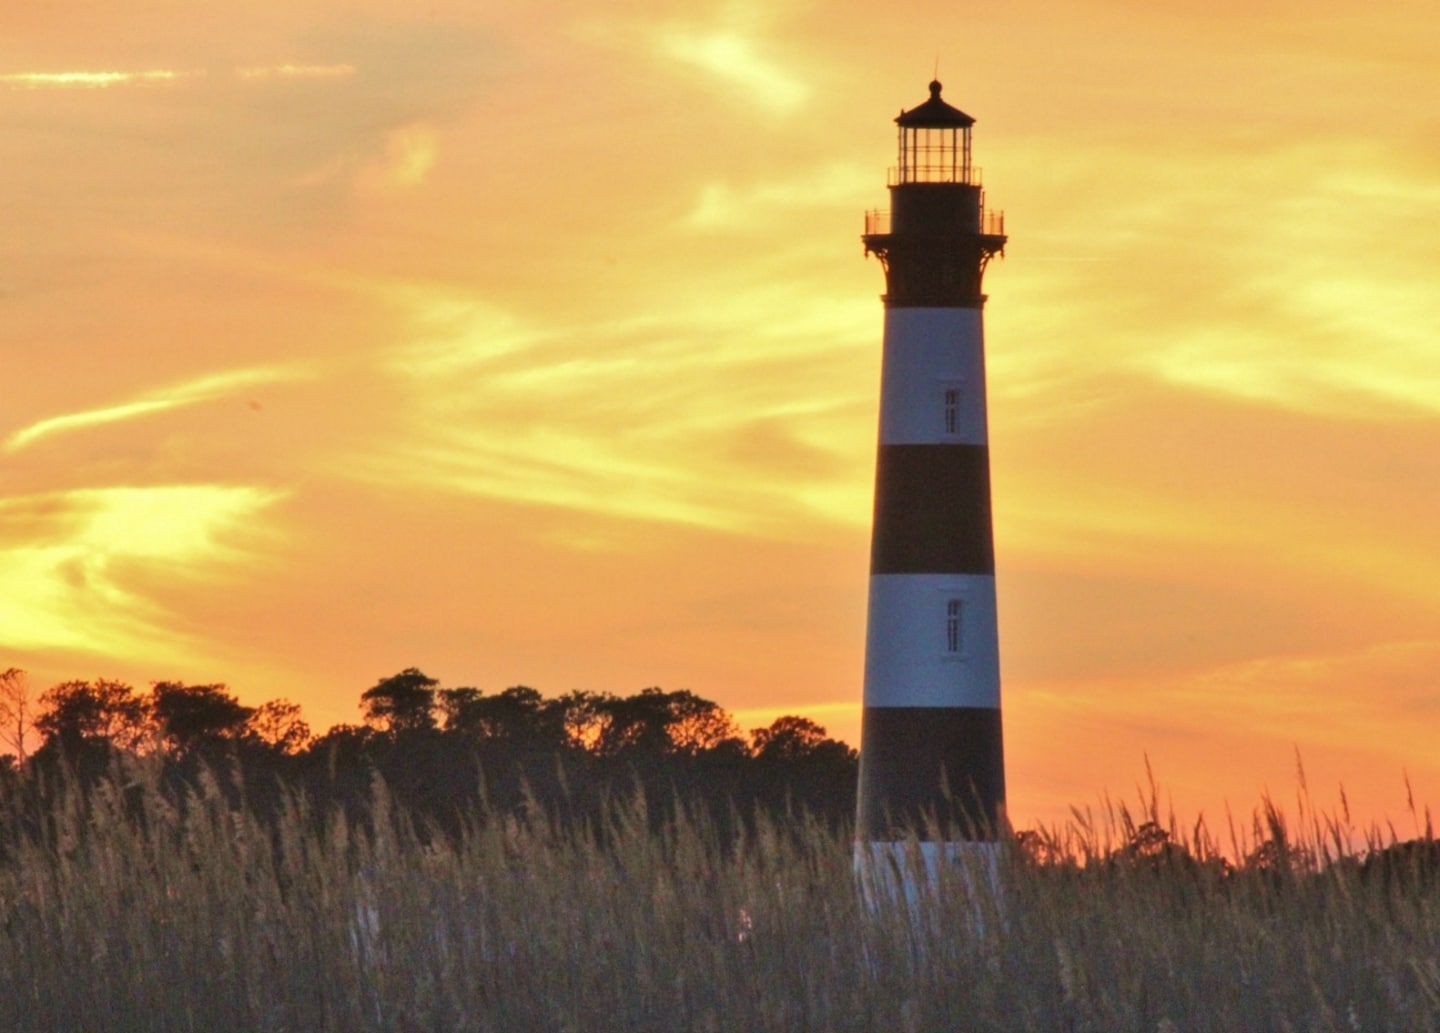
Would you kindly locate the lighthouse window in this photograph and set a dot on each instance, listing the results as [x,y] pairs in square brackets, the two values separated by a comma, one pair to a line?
[952,409]
[953,640]
[951,396]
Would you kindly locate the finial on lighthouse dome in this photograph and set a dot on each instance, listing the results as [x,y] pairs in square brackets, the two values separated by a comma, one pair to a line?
[935,113]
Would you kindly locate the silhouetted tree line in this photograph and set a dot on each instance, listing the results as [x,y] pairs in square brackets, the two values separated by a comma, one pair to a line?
[448,755]
[440,751]
[1276,863]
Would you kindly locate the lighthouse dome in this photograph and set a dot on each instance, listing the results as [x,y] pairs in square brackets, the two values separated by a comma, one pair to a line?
[935,113]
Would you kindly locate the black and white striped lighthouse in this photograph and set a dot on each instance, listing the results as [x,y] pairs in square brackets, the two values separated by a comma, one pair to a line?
[931,760]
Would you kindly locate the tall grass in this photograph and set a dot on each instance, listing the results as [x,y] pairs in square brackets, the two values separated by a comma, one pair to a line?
[127,908]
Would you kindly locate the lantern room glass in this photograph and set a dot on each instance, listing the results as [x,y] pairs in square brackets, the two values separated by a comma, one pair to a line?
[934,154]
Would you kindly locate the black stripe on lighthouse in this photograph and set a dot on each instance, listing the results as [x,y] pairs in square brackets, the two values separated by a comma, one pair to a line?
[938,771]
[932,510]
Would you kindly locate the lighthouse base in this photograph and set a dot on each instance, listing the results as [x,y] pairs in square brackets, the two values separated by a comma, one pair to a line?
[921,879]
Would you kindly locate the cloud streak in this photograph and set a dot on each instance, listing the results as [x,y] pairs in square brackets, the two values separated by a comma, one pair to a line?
[75,566]
[105,79]
[734,59]
[96,80]
[649,421]
[175,396]
[262,73]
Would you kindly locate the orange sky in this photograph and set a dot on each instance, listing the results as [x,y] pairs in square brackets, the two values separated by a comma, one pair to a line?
[542,350]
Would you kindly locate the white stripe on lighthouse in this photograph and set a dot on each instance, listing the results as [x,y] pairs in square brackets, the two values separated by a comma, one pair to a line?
[928,354]
[930,641]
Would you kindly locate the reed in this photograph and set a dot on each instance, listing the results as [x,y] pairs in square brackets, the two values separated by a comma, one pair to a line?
[128,907]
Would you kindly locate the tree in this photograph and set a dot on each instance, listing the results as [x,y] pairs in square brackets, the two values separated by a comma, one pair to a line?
[697,724]
[652,722]
[278,724]
[403,702]
[1151,848]
[519,716]
[635,724]
[82,713]
[584,717]
[787,738]
[798,764]
[1412,865]
[191,717]
[1040,849]
[15,716]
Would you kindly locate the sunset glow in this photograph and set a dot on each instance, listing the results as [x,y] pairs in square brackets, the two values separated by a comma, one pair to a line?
[339,338]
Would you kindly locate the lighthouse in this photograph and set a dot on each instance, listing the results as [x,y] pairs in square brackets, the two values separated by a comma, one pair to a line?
[931,757]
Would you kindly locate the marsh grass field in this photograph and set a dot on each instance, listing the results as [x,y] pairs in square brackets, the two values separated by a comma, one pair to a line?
[133,908]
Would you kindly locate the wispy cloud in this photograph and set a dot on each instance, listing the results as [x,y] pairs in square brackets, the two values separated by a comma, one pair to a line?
[80,420]
[73,565]
[105,78]
[261,73]
[96,80]
[409,154]
[654,420]
[723,206]
[734,51]
[1300,324]
[736,59]
[175,396]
